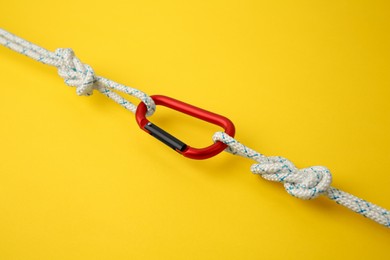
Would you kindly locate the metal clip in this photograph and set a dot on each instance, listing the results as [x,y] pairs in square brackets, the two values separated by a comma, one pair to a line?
[173,142]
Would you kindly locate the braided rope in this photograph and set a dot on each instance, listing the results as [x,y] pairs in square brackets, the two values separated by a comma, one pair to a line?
[75,73]
[307,183]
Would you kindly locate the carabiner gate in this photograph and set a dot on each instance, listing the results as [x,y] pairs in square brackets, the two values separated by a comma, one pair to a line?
[173,142]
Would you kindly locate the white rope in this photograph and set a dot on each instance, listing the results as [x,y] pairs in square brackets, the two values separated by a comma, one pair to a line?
[306,183]
[75,73]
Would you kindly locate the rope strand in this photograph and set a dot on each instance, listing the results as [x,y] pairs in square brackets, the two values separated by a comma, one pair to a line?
[75,73]
[308,183]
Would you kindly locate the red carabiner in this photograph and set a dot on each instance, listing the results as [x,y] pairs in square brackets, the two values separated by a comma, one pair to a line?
[173,142]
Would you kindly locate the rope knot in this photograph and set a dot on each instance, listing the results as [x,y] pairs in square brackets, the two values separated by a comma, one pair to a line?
[307,183]
[75,73]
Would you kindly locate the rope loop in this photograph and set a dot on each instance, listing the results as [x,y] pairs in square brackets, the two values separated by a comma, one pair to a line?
[307,183]
[74,72]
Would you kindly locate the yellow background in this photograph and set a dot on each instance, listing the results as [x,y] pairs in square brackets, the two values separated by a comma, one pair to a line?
[308,80]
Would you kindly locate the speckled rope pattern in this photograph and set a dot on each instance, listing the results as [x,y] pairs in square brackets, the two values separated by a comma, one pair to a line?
[75,73]
[307,183]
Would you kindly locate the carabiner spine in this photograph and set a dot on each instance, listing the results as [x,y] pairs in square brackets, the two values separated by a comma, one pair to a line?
[165,137]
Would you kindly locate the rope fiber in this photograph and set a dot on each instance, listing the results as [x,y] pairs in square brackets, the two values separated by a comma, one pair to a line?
[307,183]
[75,73]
